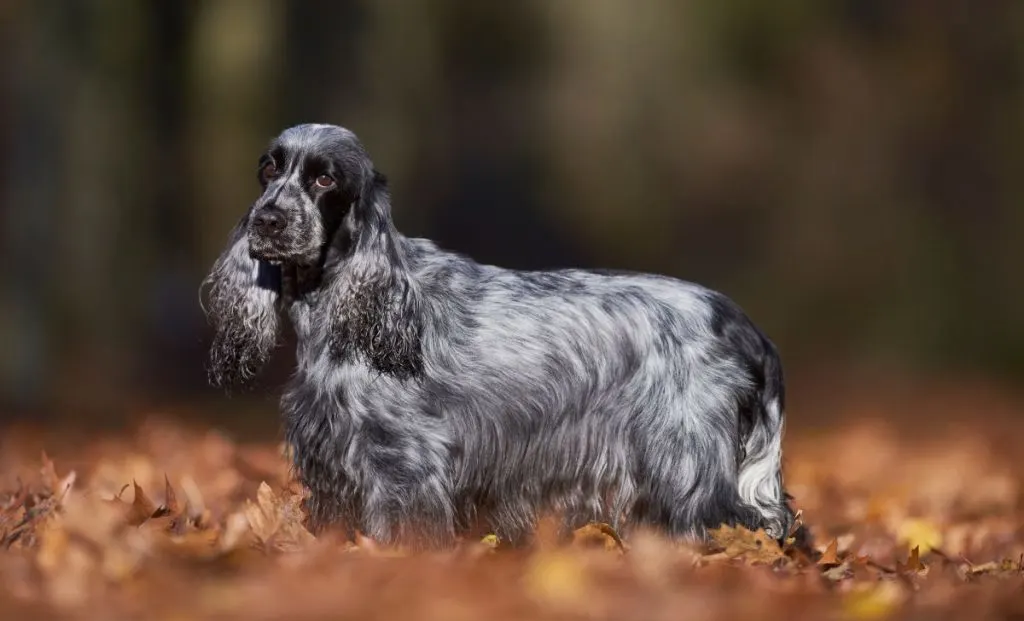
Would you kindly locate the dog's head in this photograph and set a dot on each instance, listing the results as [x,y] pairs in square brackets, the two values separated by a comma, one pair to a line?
[322,222]
[311,176]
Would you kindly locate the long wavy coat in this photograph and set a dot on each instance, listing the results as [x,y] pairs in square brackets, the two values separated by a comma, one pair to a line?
[432,392]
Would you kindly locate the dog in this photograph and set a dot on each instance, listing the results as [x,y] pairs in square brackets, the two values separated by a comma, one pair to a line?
[432,392]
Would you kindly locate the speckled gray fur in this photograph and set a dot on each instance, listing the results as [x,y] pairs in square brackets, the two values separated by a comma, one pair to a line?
[433,393]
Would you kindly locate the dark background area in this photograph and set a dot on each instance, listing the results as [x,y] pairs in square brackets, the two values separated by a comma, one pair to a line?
[850,171]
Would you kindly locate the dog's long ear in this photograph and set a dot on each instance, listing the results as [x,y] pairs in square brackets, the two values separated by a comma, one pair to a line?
[373,303]
[242,306]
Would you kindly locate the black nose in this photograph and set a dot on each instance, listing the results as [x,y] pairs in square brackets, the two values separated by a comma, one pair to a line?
[268,221]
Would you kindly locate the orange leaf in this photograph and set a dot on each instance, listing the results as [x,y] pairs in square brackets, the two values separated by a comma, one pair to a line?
[913,564]
[142,507]
[598,535]
[274,518]
[752,546]
[830,557]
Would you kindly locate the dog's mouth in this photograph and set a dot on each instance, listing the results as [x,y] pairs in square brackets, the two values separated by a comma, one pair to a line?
[278,254]
[267,252]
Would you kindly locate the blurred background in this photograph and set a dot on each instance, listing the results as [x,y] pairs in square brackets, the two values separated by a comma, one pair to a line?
[850,171]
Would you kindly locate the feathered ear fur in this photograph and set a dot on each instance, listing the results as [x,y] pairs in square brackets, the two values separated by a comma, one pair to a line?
[242,307]
[373,302]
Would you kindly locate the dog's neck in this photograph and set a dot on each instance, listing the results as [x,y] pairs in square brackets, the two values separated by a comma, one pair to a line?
[300,282]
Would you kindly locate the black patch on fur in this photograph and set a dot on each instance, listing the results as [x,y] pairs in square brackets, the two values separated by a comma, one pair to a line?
[738,336]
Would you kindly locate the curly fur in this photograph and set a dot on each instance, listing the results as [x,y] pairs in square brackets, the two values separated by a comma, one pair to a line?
[432,392]
[245,320]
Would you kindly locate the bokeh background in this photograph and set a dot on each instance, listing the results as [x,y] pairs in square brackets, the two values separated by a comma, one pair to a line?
[850,171]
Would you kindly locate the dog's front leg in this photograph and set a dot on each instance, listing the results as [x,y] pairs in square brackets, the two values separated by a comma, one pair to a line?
[406,495]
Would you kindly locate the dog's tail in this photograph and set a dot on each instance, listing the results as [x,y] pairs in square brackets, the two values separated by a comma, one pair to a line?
[760,469]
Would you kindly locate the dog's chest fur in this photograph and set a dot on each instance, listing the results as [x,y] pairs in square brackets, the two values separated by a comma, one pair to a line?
[349,426]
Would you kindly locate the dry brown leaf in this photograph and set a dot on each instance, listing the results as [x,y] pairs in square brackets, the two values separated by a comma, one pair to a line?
[830,556]
[170,506]
[598,535]
[913,564]
[838,572]
[277,520]
[263,514]
[754,547]
[142,507]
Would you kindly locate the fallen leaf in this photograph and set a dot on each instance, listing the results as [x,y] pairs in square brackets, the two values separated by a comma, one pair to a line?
[170,506]
[598,535]
[830,557]
[277,520]
[913,564]
[142,507]
[919,533]
[755,547]
[838,572]
[557,578]
[263,515]
[873,601]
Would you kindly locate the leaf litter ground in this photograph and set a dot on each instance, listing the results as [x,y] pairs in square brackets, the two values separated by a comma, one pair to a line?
[178,523]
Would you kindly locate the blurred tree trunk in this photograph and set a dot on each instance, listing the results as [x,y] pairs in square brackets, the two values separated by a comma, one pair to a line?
[29,195]
[103,239]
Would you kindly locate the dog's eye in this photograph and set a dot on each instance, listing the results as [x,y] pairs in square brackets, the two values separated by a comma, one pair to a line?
[269,171]
[324,181]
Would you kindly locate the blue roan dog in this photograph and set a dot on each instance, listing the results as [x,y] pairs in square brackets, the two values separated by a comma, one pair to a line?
[433,392]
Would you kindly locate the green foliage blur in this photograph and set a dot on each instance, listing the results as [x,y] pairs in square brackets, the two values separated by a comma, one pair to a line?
[850,171]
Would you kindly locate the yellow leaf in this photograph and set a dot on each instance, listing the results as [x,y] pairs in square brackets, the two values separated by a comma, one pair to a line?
[556,577]
[873,601]
[53,543]
[921,534]
[490,540]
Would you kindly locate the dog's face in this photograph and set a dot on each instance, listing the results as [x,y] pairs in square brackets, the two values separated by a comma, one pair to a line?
[310,176]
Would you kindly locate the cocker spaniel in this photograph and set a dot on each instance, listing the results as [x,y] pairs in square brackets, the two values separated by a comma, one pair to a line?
[433,393]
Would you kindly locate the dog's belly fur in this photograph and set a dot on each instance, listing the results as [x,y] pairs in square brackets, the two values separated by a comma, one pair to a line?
[627,399]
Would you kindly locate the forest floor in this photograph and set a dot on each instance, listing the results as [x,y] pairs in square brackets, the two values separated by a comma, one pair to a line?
[907,518]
